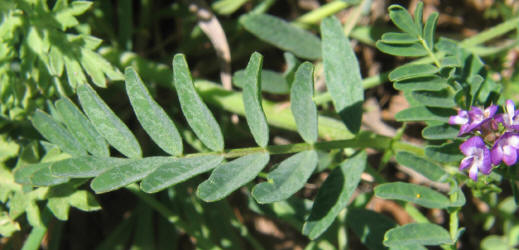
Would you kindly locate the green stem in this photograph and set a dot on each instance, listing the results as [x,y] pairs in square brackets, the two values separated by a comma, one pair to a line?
[354,18]
[431,54]
[315,16]
[33,242]
[491,33]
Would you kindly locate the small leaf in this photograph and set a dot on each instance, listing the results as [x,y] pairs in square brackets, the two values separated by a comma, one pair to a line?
[252,101]
[75,75]
[443,98]
[422,113]
[227,7]
[172,173]
[107,123]
[196,112]
[302,104]
[409,50]
[271,81]
[283,35]
[426,168]
[440,132]
[398,38]
[422,83]
[429,29]
[418,16]
[445,153]
[417,233]
[44,177]
[23,175]
[91,66]
[403,20]
[81,128]
[86,166]
[57,134]
[418,194]
[410,71]
[290,176]
[152,117]
[232,175]
[369,226]
[122,175]
[342,74]
[334,195]
[56,61]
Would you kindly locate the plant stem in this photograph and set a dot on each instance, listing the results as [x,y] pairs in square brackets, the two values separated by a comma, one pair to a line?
[430,52]
[491,33]
[315,16]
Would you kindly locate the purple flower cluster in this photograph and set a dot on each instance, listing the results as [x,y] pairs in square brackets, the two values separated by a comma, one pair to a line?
[490,144]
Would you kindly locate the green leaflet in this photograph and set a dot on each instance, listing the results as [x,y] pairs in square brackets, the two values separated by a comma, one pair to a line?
[151,116]
[445,153]
[443,98]
[56,61]
[81,128]
[428,169]
[334,195]
[417,233]
[107,123]
[440,132]
[44,177]
[80,199]
[403,20]
[369,226]
[283,35]
[57,134]
[271,81]
[418,16]
[86,166]
[422,83]
[181,170]
[197,114]
[410,71]
[420,195]
[301,102]
[398,38]
[231,175]
[422,113]
[430,27]
[342,74]
[290,176]
[75,75]
[23,175]
[252,101]
[122,175]
[409,50]
[91,66]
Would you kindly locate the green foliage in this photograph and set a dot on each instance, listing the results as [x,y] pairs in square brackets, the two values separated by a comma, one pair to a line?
[43,46]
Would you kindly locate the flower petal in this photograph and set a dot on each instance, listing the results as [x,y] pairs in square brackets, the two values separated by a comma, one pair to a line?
[469,146]
[510,107]
[486,164]
[461,118]
[490,111]
[473,172]
[466,162]
[496,154]
[509,155]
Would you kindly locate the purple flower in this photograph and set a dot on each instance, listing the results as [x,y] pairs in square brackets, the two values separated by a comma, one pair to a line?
[477,157]
[506,149]
[472,119]
[510,118]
